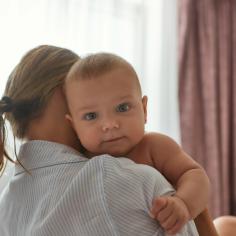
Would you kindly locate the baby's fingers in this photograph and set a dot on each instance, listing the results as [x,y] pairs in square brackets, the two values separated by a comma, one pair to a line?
[169,223]
[157,205]
[175,228]
[179,220]
[164,214]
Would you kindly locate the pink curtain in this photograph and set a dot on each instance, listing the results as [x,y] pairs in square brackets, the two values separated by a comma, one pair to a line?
[207,93]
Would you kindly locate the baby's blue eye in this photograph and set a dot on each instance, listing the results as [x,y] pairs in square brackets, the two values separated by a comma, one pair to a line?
[123,107]
[90,116]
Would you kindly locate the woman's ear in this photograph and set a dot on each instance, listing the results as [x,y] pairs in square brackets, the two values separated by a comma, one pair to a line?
[144,102]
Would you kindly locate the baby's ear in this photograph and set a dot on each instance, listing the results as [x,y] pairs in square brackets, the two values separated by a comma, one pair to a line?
[144,102]
[68,117]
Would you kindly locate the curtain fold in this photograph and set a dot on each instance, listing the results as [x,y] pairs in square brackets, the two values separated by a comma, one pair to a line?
[207,81]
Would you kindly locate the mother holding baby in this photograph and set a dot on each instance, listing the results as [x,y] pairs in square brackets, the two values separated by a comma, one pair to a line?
[57,190]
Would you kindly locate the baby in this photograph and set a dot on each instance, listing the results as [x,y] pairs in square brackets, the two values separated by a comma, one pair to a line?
[108,113]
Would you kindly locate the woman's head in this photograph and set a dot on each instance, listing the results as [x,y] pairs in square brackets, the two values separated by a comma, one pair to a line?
[31,85]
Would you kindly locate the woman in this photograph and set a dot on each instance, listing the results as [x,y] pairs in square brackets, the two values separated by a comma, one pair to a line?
[55,189]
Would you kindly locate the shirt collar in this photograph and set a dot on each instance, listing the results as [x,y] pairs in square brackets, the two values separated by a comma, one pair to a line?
[39,153]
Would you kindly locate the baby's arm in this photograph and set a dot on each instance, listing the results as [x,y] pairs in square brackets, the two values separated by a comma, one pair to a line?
[189,179]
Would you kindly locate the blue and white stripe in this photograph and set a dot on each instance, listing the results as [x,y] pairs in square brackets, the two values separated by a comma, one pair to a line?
[69,195]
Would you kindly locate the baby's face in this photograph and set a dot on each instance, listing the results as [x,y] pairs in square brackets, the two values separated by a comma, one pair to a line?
[107,112]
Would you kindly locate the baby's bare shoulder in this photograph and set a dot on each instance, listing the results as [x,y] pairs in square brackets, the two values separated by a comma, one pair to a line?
[158,138]
[159,142]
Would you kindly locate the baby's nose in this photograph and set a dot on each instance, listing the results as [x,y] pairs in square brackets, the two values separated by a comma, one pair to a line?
[110,125]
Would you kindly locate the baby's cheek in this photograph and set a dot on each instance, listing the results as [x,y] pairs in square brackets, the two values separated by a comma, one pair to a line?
[91,144]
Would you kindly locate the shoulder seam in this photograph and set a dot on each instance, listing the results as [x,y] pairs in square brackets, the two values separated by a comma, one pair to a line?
[112,223]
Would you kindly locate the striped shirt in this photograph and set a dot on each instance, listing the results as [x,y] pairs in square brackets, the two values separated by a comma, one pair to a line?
[66,194]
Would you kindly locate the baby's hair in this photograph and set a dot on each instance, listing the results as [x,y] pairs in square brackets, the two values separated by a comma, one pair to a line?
[29,88]
[97,64]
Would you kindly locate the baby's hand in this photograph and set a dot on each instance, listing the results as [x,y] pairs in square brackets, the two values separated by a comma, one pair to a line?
[171,212]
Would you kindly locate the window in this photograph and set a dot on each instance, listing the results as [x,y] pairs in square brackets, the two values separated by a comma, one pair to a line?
[142,31]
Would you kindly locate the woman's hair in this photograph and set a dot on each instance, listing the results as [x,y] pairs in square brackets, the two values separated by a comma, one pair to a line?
[29,88]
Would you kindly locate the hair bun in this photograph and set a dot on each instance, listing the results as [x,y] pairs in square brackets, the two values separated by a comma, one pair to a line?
[6,105]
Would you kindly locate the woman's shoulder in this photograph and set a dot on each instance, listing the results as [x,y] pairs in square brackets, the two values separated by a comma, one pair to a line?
[124,168]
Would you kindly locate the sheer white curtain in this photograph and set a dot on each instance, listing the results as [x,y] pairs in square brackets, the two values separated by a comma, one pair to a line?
[142,31]
[160,68]
[81,25]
